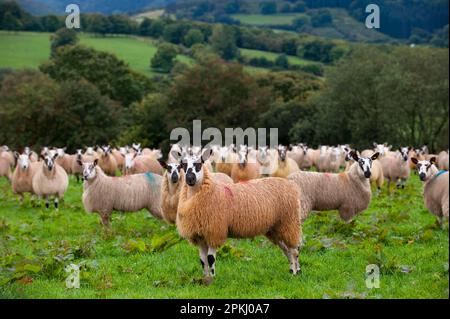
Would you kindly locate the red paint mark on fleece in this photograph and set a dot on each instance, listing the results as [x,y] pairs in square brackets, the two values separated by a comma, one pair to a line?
[228,191]
[327,174]
[243,182]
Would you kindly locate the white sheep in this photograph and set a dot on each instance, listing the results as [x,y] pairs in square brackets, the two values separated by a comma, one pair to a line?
[396,167]
[22,179]
[104,194]
[348,192]
[443,160]
[50,180]
[435,187]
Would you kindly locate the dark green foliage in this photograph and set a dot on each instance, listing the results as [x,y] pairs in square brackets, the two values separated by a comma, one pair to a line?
[110,75]
[400,96]
[223,42]
[63,37]
[268,7]
[37,111]
[321,18]
[164,58]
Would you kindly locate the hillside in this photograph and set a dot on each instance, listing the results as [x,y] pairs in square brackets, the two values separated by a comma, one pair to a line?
[29,49]
[40,7]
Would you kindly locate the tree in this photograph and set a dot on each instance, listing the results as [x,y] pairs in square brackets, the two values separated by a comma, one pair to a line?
[61,38]
[100,24]
[282,61]
[51,23]
[218,93]
[223,42]
[299,23]
[268,7]
[111,76]
[401,96]
[321,18]
[9,22]
[37,111]
[164,58]
[194,36]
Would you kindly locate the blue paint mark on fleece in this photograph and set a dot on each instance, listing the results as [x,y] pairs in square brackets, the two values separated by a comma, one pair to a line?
[439,174]
[150,178]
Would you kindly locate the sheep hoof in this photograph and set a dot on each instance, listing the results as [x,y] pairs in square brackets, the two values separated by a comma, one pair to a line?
[207,280]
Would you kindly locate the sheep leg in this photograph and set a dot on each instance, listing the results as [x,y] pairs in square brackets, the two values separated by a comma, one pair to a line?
[203,252]
[47,202]
[106,219]
[292,256]
[212,261]
[56,203]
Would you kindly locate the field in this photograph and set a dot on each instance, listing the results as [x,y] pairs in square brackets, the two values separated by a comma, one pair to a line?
[144,258]
[272,56]
[30,49]
[262,19]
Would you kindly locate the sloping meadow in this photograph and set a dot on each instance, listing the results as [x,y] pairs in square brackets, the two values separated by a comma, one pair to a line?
[144,258]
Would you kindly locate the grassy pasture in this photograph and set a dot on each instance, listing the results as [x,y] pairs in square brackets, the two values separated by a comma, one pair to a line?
[271,56]
[262,19]
[30,49]
[145,258]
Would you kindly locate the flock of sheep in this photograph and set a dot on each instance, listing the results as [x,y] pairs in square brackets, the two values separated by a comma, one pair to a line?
[215,193]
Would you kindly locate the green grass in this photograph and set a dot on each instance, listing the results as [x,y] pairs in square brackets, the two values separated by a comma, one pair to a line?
[396,232]
[261,19]
[30,49]
[273,56]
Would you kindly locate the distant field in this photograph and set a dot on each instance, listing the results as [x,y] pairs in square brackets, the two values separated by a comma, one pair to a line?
[29,50]
[272,56]
[153,14]
[261,19]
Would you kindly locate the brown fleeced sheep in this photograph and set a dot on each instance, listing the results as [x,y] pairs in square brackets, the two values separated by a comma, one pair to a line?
[103,194]
[22,179]
[396,167]
[173,180]
[348,192]
[107,162]
[50,180]
[247,168]
[5,168]
[286,166]
[435,187]
[209,213]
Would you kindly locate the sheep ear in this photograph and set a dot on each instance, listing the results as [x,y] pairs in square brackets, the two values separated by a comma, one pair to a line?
[375,156]
[42,156]
[414,160]
[95,162]
[162,163]
[433,160]
[16,155]
[176,155]
[355,156]
[55,156]
[375,144]
[79,162]
[206,154]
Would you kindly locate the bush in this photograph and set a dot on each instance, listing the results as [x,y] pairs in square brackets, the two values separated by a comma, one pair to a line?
[164,58]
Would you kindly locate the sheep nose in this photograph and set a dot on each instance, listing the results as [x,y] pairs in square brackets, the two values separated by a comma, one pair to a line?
[422,176]
[367,174]
[174,178]
[190,179]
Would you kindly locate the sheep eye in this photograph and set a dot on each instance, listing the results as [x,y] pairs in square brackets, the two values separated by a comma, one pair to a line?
[198,166]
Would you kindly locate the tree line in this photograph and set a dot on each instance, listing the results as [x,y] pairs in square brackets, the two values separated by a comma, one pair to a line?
[82,96]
